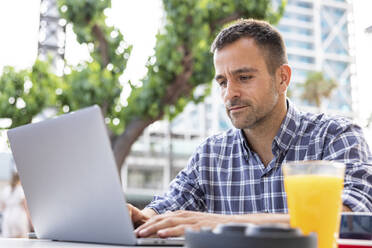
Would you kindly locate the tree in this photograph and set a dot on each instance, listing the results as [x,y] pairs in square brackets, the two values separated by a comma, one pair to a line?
[317,88]
[181,62]
[24,93]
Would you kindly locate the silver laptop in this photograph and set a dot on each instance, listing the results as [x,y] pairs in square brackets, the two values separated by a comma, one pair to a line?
[71,181]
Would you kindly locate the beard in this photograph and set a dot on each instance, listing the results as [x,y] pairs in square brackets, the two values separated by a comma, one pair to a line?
[253,114]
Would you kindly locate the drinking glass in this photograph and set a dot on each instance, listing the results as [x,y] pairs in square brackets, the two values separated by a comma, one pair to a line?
[314,190]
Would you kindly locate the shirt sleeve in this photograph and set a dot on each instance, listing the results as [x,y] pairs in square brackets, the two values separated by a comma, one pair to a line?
[184,191]
[347,145]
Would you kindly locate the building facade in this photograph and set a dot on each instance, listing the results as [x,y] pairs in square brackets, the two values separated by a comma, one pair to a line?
[319,35]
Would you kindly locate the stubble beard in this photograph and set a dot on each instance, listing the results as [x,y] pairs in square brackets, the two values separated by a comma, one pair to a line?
[253,115]
[246,117]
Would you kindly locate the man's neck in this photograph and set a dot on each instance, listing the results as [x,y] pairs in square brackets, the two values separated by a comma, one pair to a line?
[261,136]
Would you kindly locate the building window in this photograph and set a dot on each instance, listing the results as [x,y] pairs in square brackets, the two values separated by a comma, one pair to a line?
[145,178]
[301,4]
[298,17]
[295,30]
[299,44]
[299,58]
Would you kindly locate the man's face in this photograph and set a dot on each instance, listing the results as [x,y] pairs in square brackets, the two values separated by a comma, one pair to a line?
[248,90]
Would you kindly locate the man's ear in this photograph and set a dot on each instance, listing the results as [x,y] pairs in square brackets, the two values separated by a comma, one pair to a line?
[284,73]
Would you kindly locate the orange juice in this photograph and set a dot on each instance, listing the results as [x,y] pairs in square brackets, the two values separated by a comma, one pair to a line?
[314,203]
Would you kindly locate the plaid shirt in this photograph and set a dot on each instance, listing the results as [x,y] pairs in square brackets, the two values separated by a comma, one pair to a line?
[225,176]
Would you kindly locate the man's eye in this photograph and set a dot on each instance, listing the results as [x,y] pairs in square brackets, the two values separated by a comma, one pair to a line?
[222,84]
[244,78]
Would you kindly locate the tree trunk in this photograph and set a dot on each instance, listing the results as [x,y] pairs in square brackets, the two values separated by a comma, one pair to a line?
[123,143]
[102,44]
[180,86]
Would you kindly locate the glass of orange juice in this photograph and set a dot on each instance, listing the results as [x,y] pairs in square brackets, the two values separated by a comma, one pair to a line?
[314,190]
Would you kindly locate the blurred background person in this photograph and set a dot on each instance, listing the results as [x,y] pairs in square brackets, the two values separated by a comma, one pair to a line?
[16,222]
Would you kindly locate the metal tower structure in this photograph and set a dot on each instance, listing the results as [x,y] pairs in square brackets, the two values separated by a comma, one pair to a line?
[52,34]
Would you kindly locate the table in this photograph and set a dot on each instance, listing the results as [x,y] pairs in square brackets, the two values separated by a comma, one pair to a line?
[42,243]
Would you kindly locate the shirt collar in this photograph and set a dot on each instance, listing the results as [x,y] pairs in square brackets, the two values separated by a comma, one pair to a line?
[288,129]
[243,141]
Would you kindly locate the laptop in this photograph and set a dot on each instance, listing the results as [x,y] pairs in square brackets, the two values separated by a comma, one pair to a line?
[71,181]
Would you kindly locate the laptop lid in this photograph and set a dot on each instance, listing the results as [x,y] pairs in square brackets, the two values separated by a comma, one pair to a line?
[70,179]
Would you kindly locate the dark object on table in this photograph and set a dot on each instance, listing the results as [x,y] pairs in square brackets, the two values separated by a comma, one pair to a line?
[247,235]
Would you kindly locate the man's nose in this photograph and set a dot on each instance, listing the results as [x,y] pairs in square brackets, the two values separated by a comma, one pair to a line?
[231,91]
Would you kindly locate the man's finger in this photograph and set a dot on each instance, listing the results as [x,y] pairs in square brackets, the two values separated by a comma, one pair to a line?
[195,224]
[138,218]
[150,222]
[153,228]
[173,231]
[129,206]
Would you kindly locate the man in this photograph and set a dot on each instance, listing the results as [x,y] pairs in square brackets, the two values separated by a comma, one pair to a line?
[236,176]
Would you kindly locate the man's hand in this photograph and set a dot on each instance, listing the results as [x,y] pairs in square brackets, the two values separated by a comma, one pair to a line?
[172,224]
[139,217]
[346,209]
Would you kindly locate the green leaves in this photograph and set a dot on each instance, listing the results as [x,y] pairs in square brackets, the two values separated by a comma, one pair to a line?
[83,13]
[90,84]
[25,93]
[181,62]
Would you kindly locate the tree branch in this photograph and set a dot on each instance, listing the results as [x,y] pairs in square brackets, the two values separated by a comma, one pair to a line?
[102,44]
[180,85]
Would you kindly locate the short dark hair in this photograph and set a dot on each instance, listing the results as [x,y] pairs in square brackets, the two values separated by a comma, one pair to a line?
[267,38]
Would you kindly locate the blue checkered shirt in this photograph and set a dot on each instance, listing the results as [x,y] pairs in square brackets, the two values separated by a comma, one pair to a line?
[225,176]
